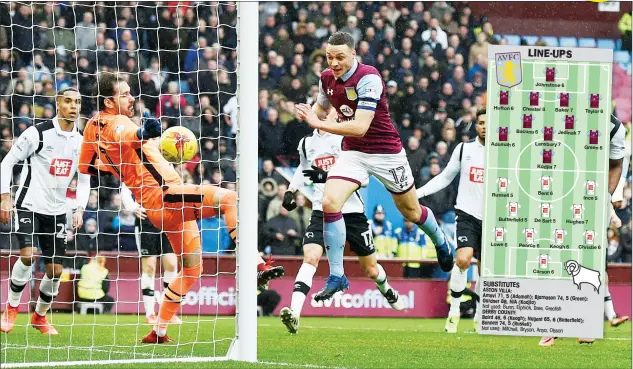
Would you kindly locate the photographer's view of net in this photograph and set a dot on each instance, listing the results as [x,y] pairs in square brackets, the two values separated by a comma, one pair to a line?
[302,184]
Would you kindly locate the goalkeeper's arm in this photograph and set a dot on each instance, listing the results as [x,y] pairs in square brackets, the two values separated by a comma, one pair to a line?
[444,178]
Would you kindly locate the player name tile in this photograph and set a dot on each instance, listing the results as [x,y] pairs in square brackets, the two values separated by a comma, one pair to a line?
[527,108]
[497,107]
[544,221]
[548,144]
[568,133]
[575,222]
[545,166]
[528,131]
[590,198]
[563,110]
[590,247]
[593,111]
[562,247]
[529,245]
[546,193]
[502,195]
[539,84]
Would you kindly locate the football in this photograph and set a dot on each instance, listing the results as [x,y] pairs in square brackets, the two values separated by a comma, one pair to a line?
[178,144]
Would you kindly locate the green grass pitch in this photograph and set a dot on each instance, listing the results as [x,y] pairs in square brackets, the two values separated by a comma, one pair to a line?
[321,343]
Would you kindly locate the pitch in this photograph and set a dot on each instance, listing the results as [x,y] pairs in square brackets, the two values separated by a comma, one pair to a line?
[322,343]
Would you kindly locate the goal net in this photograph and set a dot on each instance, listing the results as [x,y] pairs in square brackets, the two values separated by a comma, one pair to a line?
[190,64]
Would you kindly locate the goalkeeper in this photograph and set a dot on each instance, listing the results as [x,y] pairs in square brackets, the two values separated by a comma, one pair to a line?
[318,152]
[114,144]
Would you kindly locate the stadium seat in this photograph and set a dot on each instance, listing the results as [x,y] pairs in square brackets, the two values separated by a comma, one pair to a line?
[550,41]
[568,42]
[586,42]
[622,57]
[513,39]
[531,40]
[605,43]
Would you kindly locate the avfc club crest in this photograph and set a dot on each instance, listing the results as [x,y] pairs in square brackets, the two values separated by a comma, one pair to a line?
[351,93]
[508,66]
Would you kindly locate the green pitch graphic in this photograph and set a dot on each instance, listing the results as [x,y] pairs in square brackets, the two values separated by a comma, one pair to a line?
[545,207]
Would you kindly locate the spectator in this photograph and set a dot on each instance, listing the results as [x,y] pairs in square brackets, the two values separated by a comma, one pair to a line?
[383,234]
[268,172]
[85,34]
[442,201]
[271,135]
[281,234]
[275,203]
[94,283]
[301,214]
[415,156]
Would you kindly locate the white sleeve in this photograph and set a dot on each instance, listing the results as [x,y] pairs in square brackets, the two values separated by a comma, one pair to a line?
[617,146]
[127,200]
[83,189]
[298,179]
[369,89]
[322,98]
[23,148]
[444,178]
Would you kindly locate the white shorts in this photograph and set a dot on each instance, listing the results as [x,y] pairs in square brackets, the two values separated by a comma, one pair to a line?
[392,170]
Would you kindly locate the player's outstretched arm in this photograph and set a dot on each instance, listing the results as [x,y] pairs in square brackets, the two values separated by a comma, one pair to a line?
[23,148]
[445,177]
[130,204]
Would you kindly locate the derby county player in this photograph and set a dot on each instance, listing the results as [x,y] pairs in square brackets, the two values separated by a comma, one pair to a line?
[151,243]
[467,160]
[371,146]
[617,151]
[318,153]
[51,151]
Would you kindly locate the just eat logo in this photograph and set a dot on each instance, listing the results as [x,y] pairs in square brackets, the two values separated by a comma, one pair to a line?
[477,175]
[61,167]
[325,162]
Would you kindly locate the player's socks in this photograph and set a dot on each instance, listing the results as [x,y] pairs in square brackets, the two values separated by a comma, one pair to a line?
[173,295]
[334,234]
[20,276]
[381,280]
[147,286]
[609,311]
[429,225]
[457,285]
[48,290]
[303,283]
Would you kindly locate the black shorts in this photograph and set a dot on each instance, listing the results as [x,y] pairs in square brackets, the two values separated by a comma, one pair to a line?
[48,232]
[357,229]
[150,240]
[468,231]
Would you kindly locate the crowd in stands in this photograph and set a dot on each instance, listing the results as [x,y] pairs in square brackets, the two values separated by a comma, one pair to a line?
[179,60]
[432,58]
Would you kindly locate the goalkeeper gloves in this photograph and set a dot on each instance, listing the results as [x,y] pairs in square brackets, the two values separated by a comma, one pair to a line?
[316,175]
[151,127]
[289,201]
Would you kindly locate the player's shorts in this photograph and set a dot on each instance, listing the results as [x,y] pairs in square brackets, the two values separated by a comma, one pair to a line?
[150,240]
[468,231]
[48,232]
[392,170]
[357,229]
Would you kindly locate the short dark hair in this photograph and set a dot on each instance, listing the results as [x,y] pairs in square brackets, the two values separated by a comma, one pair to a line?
[104,87]
[342,38]
[480,112]
[61,92]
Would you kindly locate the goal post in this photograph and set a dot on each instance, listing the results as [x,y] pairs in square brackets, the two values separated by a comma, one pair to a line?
[244,347]
[216,333]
